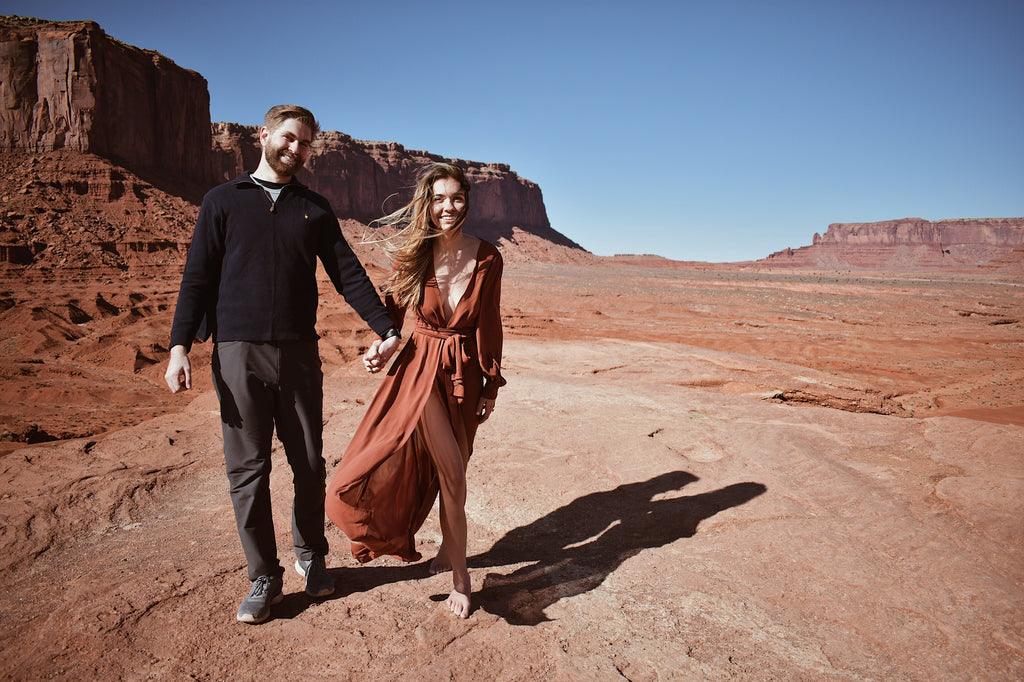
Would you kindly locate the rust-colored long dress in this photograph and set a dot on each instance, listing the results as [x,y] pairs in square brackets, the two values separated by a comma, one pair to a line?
[386,483]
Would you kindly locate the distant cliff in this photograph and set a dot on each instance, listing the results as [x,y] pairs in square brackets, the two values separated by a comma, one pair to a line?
[941,233]
[908,243]
[68,87]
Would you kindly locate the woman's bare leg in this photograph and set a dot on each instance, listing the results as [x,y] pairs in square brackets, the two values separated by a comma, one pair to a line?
[440,564]
[451,471]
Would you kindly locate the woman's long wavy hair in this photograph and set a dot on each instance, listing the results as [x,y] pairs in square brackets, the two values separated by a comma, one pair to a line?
[410,247]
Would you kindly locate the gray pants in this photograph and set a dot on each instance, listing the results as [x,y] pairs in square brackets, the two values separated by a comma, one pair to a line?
[262,386]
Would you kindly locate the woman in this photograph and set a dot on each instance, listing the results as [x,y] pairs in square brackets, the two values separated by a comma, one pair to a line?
[417,435]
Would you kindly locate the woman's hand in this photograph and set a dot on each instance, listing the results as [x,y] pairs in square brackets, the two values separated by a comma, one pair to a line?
[484,409]
[378,354]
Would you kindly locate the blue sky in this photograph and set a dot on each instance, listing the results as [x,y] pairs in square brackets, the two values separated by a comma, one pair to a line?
[712,131]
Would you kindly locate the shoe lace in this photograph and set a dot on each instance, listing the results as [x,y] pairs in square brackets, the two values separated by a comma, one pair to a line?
[259,586]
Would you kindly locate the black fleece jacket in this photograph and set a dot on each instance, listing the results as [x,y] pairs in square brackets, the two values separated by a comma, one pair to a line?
[251,269]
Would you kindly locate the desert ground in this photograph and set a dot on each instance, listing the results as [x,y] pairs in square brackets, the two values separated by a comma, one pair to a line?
[694,473]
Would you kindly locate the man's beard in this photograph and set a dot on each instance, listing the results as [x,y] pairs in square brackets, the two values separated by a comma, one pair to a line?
[280,165]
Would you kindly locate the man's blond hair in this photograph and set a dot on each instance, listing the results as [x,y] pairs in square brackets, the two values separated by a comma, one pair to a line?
[282,112]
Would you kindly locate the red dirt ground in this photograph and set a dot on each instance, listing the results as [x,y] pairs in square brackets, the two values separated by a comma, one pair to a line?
[701,473]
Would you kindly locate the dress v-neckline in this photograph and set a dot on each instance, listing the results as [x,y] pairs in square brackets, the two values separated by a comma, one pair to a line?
[448,317]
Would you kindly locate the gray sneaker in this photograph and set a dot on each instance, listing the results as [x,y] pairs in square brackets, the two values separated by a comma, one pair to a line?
[319,582]
[266,591]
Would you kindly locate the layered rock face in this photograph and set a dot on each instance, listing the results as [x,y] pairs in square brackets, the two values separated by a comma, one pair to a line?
[941,233]
[69,86]
[910,243]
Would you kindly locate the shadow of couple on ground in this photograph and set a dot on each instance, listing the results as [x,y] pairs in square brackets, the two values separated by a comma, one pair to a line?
[573,549]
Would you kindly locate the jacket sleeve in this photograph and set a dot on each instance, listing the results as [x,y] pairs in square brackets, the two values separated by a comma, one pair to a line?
[351,281]
[197,296]
[488,332]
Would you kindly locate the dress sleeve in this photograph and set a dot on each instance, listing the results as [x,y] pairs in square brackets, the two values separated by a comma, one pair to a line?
[488,330]
[396,311]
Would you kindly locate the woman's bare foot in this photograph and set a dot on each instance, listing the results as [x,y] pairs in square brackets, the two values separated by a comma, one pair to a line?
[459,601]
[440,564]
[460,604]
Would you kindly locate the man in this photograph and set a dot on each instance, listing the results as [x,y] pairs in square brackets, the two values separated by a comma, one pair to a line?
[250,282]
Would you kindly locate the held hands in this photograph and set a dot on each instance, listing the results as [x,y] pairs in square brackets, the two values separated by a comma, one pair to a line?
[179,370]
[378,354]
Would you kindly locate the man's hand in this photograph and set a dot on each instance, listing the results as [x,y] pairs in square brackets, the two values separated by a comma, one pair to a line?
[378,354]
[179,370]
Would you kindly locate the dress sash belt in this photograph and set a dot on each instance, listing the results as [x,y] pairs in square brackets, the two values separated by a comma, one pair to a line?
[453,352]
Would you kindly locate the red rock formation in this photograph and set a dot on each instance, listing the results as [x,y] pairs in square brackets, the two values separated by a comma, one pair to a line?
[917,231]
[907,244]
[68,209]
[69,86]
